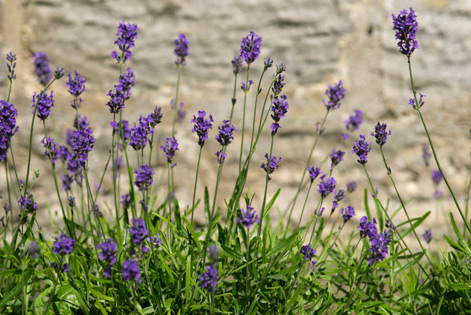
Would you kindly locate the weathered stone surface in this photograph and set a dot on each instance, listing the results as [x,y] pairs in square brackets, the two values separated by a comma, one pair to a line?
[320,41]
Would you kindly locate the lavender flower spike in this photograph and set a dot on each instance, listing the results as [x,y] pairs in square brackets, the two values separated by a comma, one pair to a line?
[170,148]
[8,127]
[272,164]
[406,26]
[144,177]
[181,50]
[237,64]
[209,279]
[202,126]
[279,108]
[248,218]
[225,135]
[127,33]
[381,134]
[361,148]
[131,271]
[250,47]
[42,68]
[314,171]
[421,102]
[335,94]
[76,87]
[354,121]
[63,245]
[11,58]
[326,186]
[43,102]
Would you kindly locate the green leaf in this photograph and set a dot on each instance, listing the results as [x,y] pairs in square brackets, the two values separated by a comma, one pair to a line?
[17,289]
[417,222]
[272,201]
[232,254]
[281,246]
[367,206]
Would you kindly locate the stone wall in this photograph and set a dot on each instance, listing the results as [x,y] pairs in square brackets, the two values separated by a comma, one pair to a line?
[320,41]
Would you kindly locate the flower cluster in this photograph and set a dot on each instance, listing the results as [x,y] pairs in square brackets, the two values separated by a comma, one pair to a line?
[428,236]
[335,93]
[109,249]
[326,186]
[246,86]
[209,279]
[248,218]
[352,186]
[421,102]
[42,104]
[8,127]
[314,171]
[381,134]
[237,63]
[181,50]
[379,241]
[426,154]
[127,33]
[437,176]
[406,26]
[279,108]
[361,148]
[250,47]
[308,253]
[336,157]
[354,121]
[42,68]
[224,137]
[27,203]
[138,231]
[63,245]
[144,177]
[279,81]
[170,148]
[11,58]
[271,165]
[76,87]
[347,213]
[51,149]
[202,126]
[131,271]
[122,92]
[82,142]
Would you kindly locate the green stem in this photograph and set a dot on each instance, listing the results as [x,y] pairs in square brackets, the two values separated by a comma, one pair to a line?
[304,205]
[267,179]
[433,148]
[196,183]
[175,103]
[243,119]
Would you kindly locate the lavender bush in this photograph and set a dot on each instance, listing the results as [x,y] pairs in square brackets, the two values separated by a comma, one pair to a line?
[149,257]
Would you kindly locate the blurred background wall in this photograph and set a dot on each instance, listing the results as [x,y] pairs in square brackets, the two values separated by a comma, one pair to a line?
[321,42]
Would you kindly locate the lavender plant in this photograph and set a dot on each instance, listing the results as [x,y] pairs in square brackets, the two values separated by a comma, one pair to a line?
[149,256]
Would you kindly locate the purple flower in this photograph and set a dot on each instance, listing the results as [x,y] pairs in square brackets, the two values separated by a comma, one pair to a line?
[351,186]
[225,137]
[279,108]
[11,58]
[437,176]
[314,171]
[278,84]
[421,102]
[71,201]
[336,157]
[221,157]
[127,33]
[250,47]
[308,253]
[272,164]
[209,279]
[144,177]
[139,133]
[381,134]
[246,87]
[42,104]
[213,251]
[335,94]
[406,26]
[138,231]
[131,271]
[122,92]
[248,218]
[96,210]
[347,213]
[63,245]
[354,121]
[170,148]
[126,201]
[51,149]
[109,249]
[367,228]
[76,87]
[155,117]
[237,64]
[156,240]
[437,194]
[326,186]
[361,148]
[426,154]
[181,50]
[27,203]
[82,142]
[67,181]
[81,122]
[42,68]
[268,63]
[34,250]
[202,126]
[8,127]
